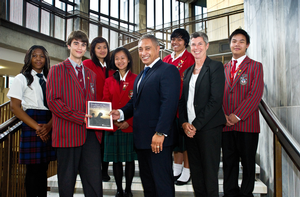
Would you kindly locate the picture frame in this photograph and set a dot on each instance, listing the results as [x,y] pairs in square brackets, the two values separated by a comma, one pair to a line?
[101,119]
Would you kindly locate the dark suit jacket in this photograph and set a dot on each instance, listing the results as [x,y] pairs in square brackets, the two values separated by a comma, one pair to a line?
[67,103]
[154,105]
[208,97]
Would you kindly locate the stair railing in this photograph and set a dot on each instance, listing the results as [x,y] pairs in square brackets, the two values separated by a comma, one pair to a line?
[282,139]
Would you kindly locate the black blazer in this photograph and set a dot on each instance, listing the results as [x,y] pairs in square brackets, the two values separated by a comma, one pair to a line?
[208,97]
[154,105]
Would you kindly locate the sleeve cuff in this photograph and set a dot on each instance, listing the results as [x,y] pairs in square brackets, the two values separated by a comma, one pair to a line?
[121,116]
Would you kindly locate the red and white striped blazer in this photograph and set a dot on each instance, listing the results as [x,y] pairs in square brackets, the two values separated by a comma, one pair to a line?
[243,95]
[68,105]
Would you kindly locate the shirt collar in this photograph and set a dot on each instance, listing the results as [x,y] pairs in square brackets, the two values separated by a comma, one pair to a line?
[239,60]
[173,55]
[33,72]
[74,64]
[152,64]
[123,78]
[103,65]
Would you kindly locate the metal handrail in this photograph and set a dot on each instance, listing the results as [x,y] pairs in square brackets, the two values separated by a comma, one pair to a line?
[288,142]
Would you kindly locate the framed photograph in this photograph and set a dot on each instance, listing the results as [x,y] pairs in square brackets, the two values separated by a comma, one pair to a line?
[100,115]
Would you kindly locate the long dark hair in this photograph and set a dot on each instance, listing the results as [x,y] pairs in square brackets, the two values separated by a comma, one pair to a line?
[94,58]
[113,65]
[26,70]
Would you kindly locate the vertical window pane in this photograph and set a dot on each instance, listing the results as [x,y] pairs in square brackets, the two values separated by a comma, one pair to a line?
[158,12]
[114,6]
[104,6]
[48,1]
[94,5]
[16,11]
[181,12]
[124,10]
[167,12]
[45,22]
[150,14]
[113,40]
[93,32]
[59,28]
[70,22]
[131,11]
[175,10]
[60,5]
[105,33]
[32,13]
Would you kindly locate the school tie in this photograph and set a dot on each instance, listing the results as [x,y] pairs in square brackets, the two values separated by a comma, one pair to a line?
[43,86]
[80,76]
[233,67]
[145,72]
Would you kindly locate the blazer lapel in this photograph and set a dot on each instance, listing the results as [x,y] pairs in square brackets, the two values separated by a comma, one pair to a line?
[227,73]
[203,70]
[187,78]
[243,66]
[126,84]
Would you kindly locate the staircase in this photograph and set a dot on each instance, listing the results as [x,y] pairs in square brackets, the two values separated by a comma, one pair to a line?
[109,188]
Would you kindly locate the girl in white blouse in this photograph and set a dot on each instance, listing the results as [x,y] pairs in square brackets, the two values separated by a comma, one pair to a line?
[29,91]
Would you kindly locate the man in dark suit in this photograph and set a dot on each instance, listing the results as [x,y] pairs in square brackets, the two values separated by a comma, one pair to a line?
[202,117]
[70,85]
[243,91]
[153,107]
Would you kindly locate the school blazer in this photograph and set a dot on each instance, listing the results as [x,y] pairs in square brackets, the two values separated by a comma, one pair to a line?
[119,99]
[208,96]
[68,105]
[243,96]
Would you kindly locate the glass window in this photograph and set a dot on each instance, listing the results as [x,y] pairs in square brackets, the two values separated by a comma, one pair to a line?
[104,6]
[94,5]
[167,12]
[158,12]
[45,22]
[105,33]
[150,14]
[114,6]
[124,10]
[175,9]
[182,12]
[32,14]
[59,31]
[69,26]
[60,5]
[131,11]
[93,32]
[113,40]
[16,11]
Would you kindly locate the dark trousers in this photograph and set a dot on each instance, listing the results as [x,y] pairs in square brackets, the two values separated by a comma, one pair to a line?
[204,151]
[36,180]
[235,146]
[156,172]
[85,160]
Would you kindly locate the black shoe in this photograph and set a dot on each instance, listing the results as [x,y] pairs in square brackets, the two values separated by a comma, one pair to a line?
[182,182]
[129,194]
[105,178]
[176,177]
[119,194]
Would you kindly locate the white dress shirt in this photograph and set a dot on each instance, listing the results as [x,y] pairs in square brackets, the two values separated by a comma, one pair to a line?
[32,96]
[191,96]
[173,55]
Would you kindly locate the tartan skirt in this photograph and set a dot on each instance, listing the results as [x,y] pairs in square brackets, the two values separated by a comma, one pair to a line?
[118,147]
[32,149]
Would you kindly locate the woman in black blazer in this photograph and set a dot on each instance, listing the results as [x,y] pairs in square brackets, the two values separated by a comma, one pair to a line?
[202,117]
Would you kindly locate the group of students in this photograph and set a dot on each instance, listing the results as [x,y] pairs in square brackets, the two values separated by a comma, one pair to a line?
[214,110]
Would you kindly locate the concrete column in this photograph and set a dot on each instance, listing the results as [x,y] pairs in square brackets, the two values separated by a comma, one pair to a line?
[3,9]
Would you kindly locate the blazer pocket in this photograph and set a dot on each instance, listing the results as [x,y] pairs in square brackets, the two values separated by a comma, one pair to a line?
[153,123]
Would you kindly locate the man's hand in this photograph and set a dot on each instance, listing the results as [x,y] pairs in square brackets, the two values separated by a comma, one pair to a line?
[42,132]
[115,114]
[233,119]
[189,129]
[157,143]
[124,125]
[87,116]
[228,122]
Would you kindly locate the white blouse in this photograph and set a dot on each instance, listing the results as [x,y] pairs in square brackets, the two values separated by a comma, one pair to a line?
[190,102]
[31,97]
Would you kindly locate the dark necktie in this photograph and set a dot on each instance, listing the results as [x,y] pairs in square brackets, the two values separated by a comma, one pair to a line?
[233,68]
[121,85]
[80,76]
[145,72]
[43,86]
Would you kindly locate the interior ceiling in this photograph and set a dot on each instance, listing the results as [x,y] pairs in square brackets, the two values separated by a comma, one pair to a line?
[10,68]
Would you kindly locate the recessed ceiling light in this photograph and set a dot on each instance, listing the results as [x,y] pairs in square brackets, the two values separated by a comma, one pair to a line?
[1,67]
